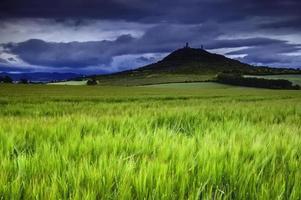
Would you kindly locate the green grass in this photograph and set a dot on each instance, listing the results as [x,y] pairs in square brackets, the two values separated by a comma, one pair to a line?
[294,78]
[133,79]
[92,142]
[197,85]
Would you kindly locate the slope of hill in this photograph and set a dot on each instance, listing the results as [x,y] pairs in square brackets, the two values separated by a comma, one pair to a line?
[186,65]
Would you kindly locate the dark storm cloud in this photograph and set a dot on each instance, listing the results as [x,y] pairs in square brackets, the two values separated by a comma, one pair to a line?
[249,42]
[278,61]
[73,54]
[101,53]
[188,11]
[9,68]
[60,9]
[12,59]
[106,29]
[292,24]
[275,54]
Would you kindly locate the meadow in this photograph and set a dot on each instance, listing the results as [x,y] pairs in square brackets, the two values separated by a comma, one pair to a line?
[193,142]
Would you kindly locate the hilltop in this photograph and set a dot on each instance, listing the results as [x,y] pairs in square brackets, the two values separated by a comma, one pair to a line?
[187,65]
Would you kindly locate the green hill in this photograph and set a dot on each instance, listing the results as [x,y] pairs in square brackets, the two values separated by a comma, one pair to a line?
[187,65]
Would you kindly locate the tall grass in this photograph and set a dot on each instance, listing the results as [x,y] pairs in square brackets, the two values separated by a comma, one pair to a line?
[62,142]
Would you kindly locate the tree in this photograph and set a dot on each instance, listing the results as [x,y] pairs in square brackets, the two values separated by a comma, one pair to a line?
[6,79]
[92,82]
[237,79]
[23,81]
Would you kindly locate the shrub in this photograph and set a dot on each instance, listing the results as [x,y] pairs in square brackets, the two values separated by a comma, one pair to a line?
[92,82]
[23,81]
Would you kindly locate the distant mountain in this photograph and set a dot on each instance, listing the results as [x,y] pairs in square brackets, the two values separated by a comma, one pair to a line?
[187,65]
[41,76]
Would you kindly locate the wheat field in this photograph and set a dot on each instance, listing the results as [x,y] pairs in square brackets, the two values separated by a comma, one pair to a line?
[81,142]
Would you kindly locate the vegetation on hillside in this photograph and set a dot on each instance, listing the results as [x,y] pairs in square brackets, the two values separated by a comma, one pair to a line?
[294,78]
[66,142]
[237,79]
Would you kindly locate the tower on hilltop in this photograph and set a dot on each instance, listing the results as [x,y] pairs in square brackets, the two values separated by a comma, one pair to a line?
[187,45]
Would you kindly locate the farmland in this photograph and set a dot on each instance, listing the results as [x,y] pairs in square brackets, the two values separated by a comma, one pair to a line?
[173,141]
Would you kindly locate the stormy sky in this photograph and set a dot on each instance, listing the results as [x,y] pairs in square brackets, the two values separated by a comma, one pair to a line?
[103,36]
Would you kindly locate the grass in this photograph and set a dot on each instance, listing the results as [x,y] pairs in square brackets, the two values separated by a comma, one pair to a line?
[199,85]
[133,79]
[81,142]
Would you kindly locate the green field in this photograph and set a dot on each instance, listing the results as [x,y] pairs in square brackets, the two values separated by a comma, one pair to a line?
[294,78]
[186,142]
[196,85]
[150,79]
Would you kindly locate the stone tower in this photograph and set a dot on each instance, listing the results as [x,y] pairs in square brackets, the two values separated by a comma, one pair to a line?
[187,45]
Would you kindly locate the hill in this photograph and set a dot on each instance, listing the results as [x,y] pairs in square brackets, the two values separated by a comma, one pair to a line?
[187,65]
[191,61]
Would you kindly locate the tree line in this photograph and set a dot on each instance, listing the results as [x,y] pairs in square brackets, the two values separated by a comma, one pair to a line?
[7,79]
[239,80]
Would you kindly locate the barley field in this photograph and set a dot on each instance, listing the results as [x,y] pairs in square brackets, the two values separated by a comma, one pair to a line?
[93,142]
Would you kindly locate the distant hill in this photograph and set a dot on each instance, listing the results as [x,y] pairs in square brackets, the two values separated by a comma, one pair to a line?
[187,65]
[41,76]
[190,60]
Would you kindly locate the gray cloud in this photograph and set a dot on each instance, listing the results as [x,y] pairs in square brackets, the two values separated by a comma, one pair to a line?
[78,55]
[275,54]
[291,24]
[67,30]
[73,54]
[5,67]
[177,11]
[3,60]
[91,35]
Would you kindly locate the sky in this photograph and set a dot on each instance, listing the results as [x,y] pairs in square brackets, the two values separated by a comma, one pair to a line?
[104,36]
